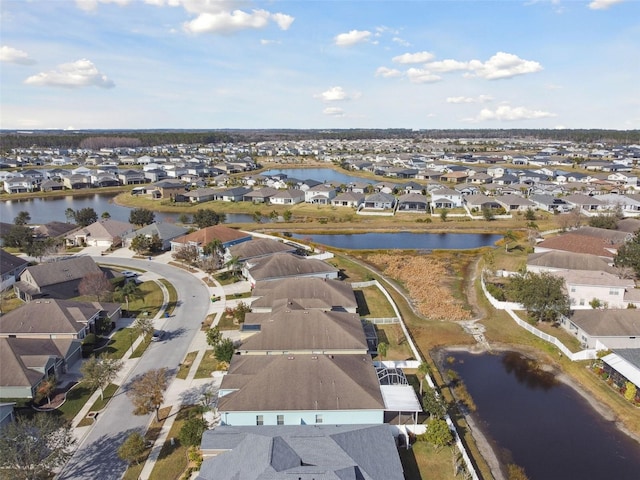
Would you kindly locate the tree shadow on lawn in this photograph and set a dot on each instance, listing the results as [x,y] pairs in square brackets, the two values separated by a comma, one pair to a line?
[98,460]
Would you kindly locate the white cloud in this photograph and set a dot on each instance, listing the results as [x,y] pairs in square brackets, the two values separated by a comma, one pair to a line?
[508,113]
[264,41]
[503,65]
[334,94]
[388,72]
[13,55]
[333,111]
[603,4]
[232,21]
[478,99]
[445,66]
[410,58]
[81,73]
[91,5]
[352,38]
[401,41]
[417,75]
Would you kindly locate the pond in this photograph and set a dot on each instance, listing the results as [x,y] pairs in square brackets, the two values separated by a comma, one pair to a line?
[540,424]
[324,175]
[43,210]
[403,240]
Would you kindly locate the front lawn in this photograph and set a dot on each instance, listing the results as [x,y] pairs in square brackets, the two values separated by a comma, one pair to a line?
[207,366]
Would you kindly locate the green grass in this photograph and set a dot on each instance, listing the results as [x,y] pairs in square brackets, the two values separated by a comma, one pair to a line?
[185,366]
[172,461]
[150,301]
[119,343]
[133,472]
[235,296]
[422,461]
[226,278]
[142,347]
[226,323]
[76,399]
[207,366]
[173,296]
[398,348]
[373,304]
[100,403]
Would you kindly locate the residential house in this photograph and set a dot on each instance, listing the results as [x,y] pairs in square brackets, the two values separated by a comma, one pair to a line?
[445,198]
[200,195]
[291,196]
[235,194]
[300,451]
[257,248]
[106,233]
[203,237]
[584,202]
[165,232]
[612,328]
[379,201]
[628,205]
[261,195]
[515,203]
[10,269]
[77,181]
[623,365]
[51,186]
[550,203]
[293,330]
[354,396]
[58,279]
[285,265]
[587,286]
[559,261]
[167,189]
[480,202]
[413,202]
[19,184]
[576,243]
[307,292]
[320,194]
[53,229]
[348,199]
[455,177]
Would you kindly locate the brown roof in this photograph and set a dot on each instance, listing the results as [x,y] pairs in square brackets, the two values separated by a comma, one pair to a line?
[54,229]
[259,247]
[206,235]
[320,382]
[323,293]
[309,330]
[572,242]
[49,317]
[281,265]
[570,261]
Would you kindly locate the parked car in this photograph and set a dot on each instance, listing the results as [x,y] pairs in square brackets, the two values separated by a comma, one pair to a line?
[157,335]
[129,274]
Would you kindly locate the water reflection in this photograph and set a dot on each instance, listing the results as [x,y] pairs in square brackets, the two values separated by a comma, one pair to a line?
[528,371]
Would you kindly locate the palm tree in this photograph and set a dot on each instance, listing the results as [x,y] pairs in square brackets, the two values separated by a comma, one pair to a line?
[233,265]
[423,370]
[509,236]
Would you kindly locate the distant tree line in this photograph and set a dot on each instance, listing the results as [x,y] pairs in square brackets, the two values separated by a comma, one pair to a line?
[133,138]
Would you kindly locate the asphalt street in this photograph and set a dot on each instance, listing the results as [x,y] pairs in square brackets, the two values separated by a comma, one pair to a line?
[96,456]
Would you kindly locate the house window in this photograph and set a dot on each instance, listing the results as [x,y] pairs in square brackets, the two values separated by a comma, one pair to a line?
[259,420]
[613,291]
[582,301]
[573,289]
[280,420]
[318,418]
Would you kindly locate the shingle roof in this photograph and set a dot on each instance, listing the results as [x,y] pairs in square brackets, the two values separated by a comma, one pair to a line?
[50,317]
[281,265]
[259,247]
[570,261]
[9,262]
[608,322]
[322,382]
[309,330]
[572,242]
[61,271]
[287,452]
[207,235]
[329,293]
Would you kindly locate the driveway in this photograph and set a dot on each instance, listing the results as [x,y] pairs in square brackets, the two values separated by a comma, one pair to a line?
[96,456]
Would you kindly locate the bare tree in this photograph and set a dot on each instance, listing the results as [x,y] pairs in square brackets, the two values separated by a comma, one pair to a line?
[144,326]
[98,372]
[96,284]
[188,254]
[147,391]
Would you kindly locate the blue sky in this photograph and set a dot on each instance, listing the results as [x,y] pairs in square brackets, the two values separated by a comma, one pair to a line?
[319,64]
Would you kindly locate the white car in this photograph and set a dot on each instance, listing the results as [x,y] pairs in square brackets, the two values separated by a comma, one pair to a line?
[129,274]
[157,335]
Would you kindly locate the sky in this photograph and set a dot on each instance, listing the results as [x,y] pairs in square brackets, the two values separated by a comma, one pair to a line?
[329,64]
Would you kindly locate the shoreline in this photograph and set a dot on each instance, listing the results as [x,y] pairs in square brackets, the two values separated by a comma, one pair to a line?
[482,439]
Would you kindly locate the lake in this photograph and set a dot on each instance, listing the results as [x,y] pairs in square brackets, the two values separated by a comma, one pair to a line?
[324,175]
[543,425]
[43,210]
[403,240]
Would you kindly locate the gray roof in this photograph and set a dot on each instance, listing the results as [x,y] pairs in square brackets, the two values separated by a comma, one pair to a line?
[310,292]
[50,317]
[301,452]
[259,247]
[165,231]
[281,265]
[630,225]
[311,330]
[608,322]
[61,271]
[631,355]
[322,382]
[570,261]
[10,263]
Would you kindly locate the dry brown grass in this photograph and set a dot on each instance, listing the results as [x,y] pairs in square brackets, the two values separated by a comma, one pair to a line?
[426,278]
